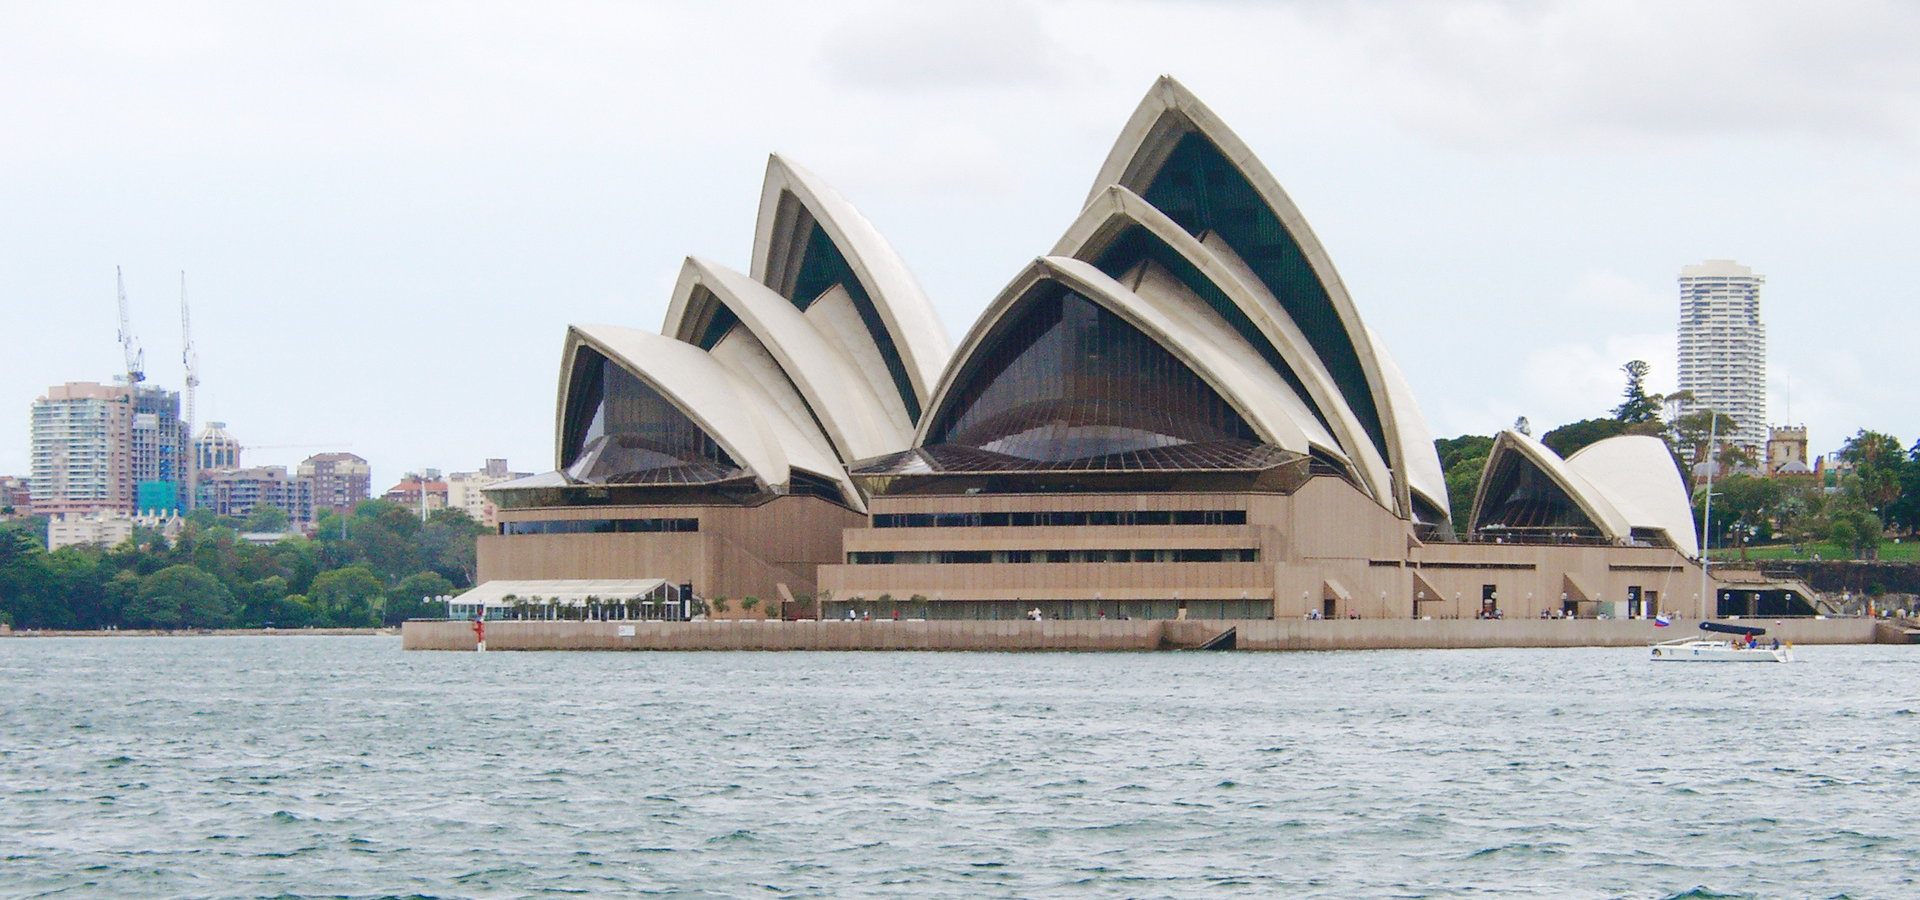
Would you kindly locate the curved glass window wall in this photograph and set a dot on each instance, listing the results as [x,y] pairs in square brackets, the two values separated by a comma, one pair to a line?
[619,430]
[1070,380]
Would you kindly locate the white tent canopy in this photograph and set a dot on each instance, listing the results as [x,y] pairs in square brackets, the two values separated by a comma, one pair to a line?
[494,595]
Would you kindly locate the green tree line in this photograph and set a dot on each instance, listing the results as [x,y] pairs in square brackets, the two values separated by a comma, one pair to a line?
[365,568]
[1851,513]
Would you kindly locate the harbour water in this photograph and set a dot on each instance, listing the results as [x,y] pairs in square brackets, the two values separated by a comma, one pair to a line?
[342,767]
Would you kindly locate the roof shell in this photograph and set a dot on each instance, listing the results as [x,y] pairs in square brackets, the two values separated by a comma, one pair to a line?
[698,386]
[1169,113]
[843,402]
[1591,501]
[909,317]
[1636,474]
[1199,342]
[1115,210]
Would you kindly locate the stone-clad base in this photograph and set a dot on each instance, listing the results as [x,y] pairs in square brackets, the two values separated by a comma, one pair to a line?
[1290,634]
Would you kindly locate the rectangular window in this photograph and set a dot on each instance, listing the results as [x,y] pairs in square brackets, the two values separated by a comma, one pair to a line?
[600,526]
[1062,519]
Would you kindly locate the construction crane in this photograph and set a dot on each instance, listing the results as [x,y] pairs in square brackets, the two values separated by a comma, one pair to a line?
[190,361]
[136,358]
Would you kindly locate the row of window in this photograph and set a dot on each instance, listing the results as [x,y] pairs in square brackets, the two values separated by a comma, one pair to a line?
[923,557]
[599,526]
[1068,518]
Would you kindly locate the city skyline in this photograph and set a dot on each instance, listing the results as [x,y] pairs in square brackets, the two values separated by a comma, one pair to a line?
[383,225]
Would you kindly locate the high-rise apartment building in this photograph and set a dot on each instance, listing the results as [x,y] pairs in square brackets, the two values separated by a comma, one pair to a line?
[340,480]
[1723,346]
[98,447]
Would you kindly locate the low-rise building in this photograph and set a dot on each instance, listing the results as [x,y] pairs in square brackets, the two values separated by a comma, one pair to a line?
[1787,451]
[16,497]
[409,491]
[105,528]
[464,490]
[234,494]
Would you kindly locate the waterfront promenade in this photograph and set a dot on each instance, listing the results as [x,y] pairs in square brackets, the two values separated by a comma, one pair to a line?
[1111,635]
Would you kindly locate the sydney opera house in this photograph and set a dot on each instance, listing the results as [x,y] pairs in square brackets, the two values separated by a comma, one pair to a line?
[1176,412]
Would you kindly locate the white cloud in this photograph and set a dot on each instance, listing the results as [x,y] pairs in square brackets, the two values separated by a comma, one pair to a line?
[1503,75]
[919,47]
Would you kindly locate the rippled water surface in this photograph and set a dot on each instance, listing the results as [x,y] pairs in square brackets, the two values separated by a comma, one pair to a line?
[323,767]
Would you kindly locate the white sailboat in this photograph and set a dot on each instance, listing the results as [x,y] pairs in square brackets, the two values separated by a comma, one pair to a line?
[1741,644]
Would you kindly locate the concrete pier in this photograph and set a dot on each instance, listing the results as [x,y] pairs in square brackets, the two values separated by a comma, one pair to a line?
[1084,635]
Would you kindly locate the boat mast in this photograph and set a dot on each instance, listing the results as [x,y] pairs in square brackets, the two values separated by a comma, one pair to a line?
[1713,422]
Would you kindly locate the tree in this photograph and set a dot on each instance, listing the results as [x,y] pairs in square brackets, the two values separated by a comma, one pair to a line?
[1856,532]
[347,598]
[1904,511]
[1637,406]
[413,597]
[265,519]
[1463,459]
[1878,469]
[1568,439]
[180,596]
[447,543]
[1748,505]
[1691,431]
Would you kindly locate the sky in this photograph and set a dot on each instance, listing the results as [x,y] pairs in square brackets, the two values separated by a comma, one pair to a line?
[387,214]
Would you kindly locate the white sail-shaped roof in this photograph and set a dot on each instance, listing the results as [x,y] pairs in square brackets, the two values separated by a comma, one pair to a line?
[794,205]
[711,300]
[1419,459]
[699,387]
[1637,475]
[735,394]
[1511,448]
[1117,216]
[1172,129]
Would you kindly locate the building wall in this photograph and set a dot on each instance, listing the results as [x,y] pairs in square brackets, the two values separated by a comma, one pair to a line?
[1787,444]
[1325,532]
[737,552]
[1325,550]
[465,490]
[235,493]
[106,529]
[340,480]
[93,445]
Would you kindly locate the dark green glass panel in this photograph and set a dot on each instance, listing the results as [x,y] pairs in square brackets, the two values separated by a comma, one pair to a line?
[1200,189]
[1067,379]
[621,431]
[822,266]
[1138,244]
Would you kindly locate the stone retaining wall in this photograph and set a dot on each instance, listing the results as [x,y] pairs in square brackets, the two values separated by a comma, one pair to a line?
[1290,634]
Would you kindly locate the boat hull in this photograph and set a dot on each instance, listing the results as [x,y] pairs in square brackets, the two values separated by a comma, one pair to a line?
[1718,651]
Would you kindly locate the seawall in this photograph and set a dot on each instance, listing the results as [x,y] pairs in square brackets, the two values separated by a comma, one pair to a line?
[1266,634]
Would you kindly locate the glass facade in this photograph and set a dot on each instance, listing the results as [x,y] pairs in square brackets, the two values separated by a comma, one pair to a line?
[720,319]
[601,526]
[1519,497]
[618,430]
[1202,190]
[1136,245]
[822,266]
[1061,519]
[965,557]
[1066,379]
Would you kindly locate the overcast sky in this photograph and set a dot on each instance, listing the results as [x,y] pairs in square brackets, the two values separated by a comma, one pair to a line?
[388,213]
